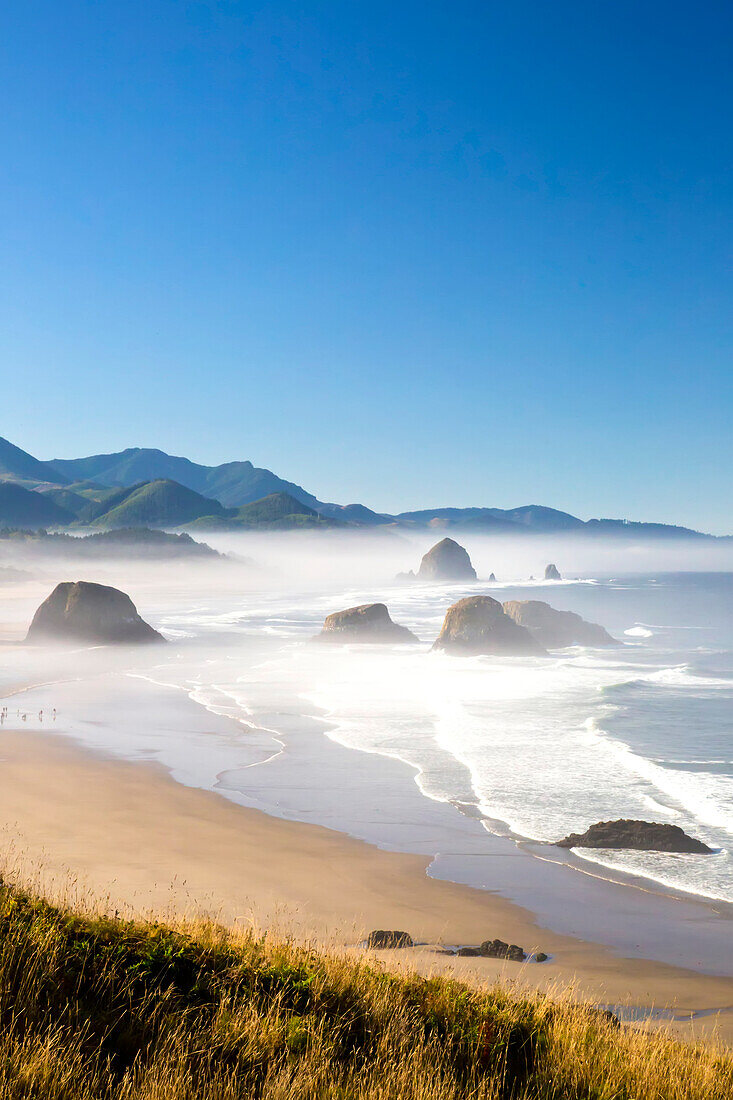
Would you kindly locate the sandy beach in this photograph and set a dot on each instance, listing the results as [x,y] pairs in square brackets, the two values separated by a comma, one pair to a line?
[129,837]
[147,797]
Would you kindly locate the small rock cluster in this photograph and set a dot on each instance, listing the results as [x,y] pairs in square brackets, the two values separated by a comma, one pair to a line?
[489,949]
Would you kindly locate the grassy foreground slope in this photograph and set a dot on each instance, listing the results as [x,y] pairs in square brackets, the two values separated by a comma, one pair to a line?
[100,1008]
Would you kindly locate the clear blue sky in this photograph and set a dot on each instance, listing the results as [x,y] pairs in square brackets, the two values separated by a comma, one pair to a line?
[408,254]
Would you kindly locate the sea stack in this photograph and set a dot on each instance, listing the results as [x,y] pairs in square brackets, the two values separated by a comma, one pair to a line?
[370,623]
[82,611]
[642,836]
[555,629]
[552,573]
[446,561]
[479,625]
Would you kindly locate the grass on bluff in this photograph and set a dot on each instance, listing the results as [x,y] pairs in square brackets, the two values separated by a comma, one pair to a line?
[101,1008]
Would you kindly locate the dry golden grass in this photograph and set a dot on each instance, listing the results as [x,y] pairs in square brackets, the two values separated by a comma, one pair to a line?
[97,1008]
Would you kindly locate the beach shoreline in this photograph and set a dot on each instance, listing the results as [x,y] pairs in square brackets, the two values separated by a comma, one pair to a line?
[369,797]
[82,825]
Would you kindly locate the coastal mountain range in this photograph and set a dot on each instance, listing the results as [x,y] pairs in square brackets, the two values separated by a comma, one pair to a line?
[147,487]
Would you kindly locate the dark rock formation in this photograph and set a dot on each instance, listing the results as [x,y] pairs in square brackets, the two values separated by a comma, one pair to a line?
[497,949]
[540,957]
[478,625]
[644,836]
[551,573]
[555,629]
[384,938]
[469,952]
[492,577]
[446,561]
[82,611]
[368,623]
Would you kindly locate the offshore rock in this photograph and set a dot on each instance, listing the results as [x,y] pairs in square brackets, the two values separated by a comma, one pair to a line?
[643,836]
[556,629]
[82,611]
[478,625]
[368,623]
[446,561]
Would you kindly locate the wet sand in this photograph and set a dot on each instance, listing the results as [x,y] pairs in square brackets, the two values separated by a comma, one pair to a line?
[135,840]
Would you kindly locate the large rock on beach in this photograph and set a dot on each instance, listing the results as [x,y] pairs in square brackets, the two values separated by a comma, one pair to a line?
[82,611]
[556,629]
[643,836]
[478,625]
[446,561]
[497,949]
[552,573]
[383,938]
[368,623]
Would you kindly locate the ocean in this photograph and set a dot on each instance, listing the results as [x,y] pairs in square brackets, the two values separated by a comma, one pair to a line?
[532,748]
[537,747]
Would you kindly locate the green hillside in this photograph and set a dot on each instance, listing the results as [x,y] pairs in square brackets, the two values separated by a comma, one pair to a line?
[21,507]
[158,504]
[276,512]
[101,500]
[274,507]
[71,502]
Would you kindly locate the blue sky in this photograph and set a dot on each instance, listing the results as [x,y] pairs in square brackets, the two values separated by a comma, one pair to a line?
[406,254]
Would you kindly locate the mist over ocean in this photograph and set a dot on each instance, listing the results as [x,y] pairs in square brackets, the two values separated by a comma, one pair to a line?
[535,747]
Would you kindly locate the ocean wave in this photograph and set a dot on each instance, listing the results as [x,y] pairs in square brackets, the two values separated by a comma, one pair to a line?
[684,676]
[705,798]
[674,871]
[681,676]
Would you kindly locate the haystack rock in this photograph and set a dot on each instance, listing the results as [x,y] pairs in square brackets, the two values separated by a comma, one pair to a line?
[446,561]
[643,836]
[552,573]
[368,623]
[556,629]
[478,625]
[82,611]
